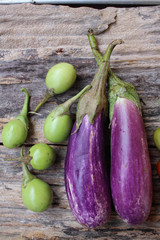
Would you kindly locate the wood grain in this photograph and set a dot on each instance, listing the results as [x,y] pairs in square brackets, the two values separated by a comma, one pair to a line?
[32,39]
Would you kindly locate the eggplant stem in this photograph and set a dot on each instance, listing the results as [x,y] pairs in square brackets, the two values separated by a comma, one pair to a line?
[47,96]
[97,55]
[94,47]
[27,176]
[24,110]
[110,48]
[25,170]
[26,159]
[22,151]
[70,101]
[104,65]
[22,158]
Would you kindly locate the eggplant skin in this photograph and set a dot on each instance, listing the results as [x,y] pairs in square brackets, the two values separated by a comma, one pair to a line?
[86,180]
[131,178]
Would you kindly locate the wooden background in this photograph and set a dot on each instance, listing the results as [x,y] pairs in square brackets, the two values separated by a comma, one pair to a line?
[32,39]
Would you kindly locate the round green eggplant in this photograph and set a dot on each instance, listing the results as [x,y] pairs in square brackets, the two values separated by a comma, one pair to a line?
[37,195]
[15,131]
[58,129]
[43,156]
[61,77]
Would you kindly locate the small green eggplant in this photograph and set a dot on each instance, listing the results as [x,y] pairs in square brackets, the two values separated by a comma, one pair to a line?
[37,195]
[58,124]
[15,132]
[59,79]
[41,156]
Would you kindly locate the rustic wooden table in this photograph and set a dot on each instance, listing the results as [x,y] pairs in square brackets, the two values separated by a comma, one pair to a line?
[32,39]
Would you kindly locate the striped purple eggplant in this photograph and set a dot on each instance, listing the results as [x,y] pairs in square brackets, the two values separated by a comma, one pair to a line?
[131,179]
[86,181]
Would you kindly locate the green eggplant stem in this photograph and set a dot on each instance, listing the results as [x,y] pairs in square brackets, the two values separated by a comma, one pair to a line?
[22,151]
[111,46]
[64,108]
[94,47]
[24,110]
[104,64]
[47,96]
[27,176]
[26,172]
[98,56]
[25,159]
[70,101]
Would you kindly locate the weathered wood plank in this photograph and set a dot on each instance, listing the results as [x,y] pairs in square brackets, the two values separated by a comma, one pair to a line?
[34,38]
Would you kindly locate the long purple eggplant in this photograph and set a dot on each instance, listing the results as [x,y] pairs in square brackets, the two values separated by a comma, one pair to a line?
[131,178]
[86,179]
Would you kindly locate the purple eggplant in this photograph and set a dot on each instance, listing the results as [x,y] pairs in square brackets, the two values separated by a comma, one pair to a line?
[87,183]
[86,179]
[131,178]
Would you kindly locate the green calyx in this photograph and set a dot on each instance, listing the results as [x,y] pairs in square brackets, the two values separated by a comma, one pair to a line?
[94,101]
[118,88]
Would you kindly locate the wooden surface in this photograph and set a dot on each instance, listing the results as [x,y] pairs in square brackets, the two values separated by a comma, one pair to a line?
[34,38]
